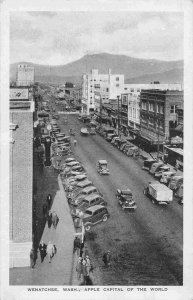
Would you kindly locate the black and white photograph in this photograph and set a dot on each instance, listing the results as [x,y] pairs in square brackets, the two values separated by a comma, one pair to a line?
[99,162]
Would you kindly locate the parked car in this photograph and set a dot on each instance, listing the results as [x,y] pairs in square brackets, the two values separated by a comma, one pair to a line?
[82,184]
[70,159]
[120,143]
[85,192]
[116,141]
[148,163]
[94,215]
[125,199]
[132,151]
[166,176]
[78,168]
[175,182]
[155,167]
[126,147]
[91,200]
[110,136]
[72,164]
[77,191]
[159,172]
[158,193]
[102,168]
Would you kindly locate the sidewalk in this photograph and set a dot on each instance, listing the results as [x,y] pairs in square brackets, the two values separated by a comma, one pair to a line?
[59,271]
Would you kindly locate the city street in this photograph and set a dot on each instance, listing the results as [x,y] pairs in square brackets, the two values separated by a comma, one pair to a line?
[146,245]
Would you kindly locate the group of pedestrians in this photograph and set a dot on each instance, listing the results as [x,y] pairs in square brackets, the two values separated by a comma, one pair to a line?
[45,250]
[83,268]
[51,216]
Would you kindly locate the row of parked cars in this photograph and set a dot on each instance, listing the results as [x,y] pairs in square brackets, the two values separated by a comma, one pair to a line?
[167,177]
[122,144]
[87,204]
[61,142]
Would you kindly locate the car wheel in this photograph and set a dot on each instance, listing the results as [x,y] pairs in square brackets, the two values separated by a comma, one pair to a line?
[105,218]
[88,227]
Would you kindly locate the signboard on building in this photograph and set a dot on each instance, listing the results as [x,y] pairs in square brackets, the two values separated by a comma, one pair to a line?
[19,94]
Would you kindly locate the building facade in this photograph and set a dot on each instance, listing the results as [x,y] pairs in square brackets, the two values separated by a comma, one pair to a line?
[21,180]
[25,75]
[158,114]
[108,85]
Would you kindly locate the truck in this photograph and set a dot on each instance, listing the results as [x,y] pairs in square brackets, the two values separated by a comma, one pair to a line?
[158,193]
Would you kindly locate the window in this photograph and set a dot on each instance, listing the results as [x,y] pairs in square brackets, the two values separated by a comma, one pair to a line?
[131,90]
[151,106]
[138,90]
[117,78]
[134,113]
[173,109]
[130,112]
[117,85]
[107,89]
[144,105]
[160,108]
[151,122]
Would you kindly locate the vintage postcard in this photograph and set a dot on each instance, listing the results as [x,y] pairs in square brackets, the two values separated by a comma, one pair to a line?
[96,150]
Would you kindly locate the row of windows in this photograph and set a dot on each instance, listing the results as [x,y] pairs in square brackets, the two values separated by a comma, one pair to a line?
[132,90]
[151,107]
[134,113]
[150,122]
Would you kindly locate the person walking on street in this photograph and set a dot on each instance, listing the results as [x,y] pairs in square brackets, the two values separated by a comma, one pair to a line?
[49,200]
[84,271]
[79,268]
[50,251]
[75,143]
[45,210]
[55,219]
[49,219]
[88,265]
[77,246]
[33,257]
[42,249]
[107,258]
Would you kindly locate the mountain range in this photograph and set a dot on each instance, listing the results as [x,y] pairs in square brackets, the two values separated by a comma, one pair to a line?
[135,70]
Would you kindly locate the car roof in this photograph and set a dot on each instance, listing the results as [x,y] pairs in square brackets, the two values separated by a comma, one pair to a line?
[82,183]
[176,177]
[89,188]
[80,176]
[126,192]
[102,161]
[95,207]
[70,159]
[91,197]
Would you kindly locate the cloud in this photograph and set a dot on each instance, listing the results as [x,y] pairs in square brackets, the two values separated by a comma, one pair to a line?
[61,37]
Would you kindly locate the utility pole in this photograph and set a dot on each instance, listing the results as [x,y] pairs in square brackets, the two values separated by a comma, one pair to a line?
[100,111]
[158,140]
[118,114]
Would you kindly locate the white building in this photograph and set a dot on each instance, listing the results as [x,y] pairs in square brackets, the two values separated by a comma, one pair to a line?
[108,85]
[133,92]
[25,75]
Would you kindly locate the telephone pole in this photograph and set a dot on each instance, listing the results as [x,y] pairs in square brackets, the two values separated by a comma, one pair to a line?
[118,114]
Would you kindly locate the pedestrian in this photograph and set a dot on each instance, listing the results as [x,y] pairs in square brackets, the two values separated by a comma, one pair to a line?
[55,219]
[42,249]
[79,268]
[50,251]
[107,258]
[84,271]
[81,248]
[33,258]
[55,249]
[75,143]
[88,265]
[49,200]
[76,246]
[45,210]
[49,218]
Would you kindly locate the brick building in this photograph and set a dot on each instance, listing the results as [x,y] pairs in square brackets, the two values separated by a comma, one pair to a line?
[21,181]
[158,114]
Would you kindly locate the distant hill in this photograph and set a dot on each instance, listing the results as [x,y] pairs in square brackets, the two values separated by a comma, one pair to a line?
[119,64]
[171,76]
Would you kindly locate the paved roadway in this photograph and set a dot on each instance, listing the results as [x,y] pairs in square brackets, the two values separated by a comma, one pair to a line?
[146,245]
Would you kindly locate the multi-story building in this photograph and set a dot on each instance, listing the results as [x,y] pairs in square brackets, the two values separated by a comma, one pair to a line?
[25,75]
[158,114]
[109,85]
[21,176]
[133,91]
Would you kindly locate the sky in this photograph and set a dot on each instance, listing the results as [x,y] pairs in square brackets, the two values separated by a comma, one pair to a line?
[57,38]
